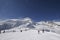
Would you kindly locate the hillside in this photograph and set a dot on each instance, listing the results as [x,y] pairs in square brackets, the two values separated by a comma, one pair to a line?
[29,35]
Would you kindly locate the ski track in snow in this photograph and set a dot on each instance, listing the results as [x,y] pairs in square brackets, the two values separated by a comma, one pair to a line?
[29,35]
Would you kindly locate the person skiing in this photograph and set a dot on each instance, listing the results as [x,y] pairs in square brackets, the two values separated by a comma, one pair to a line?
[0,31]
[4,31]
[20,30]
[43,30]
[38,31]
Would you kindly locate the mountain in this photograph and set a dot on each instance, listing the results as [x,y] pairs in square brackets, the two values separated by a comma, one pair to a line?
[11,23]
[52,26]
[27,22]
[29,28]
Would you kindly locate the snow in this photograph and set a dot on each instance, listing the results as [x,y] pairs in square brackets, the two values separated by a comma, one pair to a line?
[29,35]
[25,24]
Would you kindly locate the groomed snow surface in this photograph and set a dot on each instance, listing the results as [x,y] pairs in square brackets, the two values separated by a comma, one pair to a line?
[29,35]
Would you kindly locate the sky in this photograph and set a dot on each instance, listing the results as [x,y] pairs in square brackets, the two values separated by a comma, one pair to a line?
[35,9]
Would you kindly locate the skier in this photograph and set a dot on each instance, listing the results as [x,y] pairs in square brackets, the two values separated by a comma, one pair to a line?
[4,31]
[0,31]
[38,31]
[14,31]
[43,30]
[20,30]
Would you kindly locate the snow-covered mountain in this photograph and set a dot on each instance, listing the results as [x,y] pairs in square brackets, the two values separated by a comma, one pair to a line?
[53,26]
[11,23]
[13,27]
[27,22]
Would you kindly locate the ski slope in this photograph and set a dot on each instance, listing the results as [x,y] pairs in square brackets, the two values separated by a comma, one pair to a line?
[29,35]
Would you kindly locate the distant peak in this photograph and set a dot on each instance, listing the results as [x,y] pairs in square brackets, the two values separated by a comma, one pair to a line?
[27,18]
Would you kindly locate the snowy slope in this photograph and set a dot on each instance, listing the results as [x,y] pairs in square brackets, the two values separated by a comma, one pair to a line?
[29,35]
[27,22]
[11,23]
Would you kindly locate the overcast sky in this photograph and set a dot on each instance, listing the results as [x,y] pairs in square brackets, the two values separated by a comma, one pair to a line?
[35,9]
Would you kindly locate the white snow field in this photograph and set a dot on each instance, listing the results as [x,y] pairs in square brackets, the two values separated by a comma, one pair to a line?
[29,35]
[13,27]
